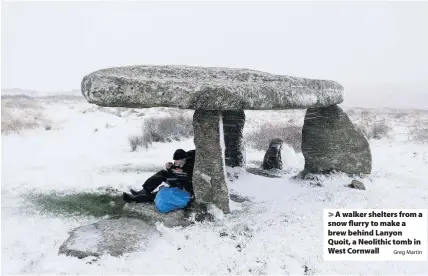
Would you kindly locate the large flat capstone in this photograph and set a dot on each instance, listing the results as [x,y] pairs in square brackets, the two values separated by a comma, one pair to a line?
[210,88]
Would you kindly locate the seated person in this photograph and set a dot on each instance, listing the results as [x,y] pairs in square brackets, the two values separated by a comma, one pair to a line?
[177,174]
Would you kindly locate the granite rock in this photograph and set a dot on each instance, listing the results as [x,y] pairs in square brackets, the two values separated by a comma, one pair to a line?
[330,142]
[210,88]
[148,213]
[233,127]
[113,236]
[209,173]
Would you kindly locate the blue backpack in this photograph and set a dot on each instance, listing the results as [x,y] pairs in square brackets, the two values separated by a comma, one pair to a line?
[169,199]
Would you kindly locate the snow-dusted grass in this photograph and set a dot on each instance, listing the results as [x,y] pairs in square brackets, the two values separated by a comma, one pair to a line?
[98,204]
[279,232]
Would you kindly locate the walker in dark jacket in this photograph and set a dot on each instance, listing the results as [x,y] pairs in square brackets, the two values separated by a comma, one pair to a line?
[170,176]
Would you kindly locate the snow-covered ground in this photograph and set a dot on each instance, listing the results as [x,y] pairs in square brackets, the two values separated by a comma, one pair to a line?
[280,232]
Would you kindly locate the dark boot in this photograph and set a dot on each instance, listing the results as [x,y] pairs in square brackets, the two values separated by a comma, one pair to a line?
[134,192]
[128,198]
[139,198]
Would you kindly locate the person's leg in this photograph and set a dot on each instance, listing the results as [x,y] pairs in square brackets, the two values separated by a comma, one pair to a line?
[154,181]
[145,198]
[134,192]
[139,198]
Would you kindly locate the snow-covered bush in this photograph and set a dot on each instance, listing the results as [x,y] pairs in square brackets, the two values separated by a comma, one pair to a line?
[21,114]
[375,130]
[290,134]
[164,130]
[420,134]
[135,142]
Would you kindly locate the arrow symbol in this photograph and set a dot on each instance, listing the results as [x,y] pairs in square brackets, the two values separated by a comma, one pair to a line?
[330,214]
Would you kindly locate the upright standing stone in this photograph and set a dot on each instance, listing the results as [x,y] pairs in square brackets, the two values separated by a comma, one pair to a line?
[233,126]
[209,176]
[331,142]
[272,158]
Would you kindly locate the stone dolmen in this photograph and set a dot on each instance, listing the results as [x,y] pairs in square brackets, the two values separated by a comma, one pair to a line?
[219,97]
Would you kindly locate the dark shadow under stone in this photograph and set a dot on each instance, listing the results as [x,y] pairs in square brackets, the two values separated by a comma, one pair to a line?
[265,173]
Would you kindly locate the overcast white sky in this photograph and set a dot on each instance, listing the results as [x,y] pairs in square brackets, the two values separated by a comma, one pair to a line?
[377,51]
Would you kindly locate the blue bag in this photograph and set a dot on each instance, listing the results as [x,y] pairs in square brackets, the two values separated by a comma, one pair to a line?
[169,199]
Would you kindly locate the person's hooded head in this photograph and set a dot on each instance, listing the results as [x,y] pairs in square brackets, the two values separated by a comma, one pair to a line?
[179,157]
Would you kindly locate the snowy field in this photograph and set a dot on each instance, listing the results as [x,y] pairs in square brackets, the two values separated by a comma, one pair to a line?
[70,146]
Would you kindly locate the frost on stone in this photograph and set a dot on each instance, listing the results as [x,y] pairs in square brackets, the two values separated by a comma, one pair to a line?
[215,212]
[331,142]
[206,177]
[223,148]
[208,136]
[211,88]
[90,238]
[112,236]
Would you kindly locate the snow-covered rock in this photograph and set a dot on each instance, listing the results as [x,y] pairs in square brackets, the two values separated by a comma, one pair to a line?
[331,142]
[212,88]
[355,184]
[238,198]
[113,236]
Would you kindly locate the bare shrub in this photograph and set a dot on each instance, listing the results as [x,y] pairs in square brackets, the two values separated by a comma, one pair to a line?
[351,112]
[17,125]
[135,142]
[400,115]
[290,134]
[168,129]
[419,134]
[20,114]
[164,130]
[380,130]
[374,130]
[365,113]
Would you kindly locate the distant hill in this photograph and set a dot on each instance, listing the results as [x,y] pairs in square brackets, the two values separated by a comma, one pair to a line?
[19,92]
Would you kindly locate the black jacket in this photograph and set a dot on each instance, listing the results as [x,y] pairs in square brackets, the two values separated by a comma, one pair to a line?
[185,178]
